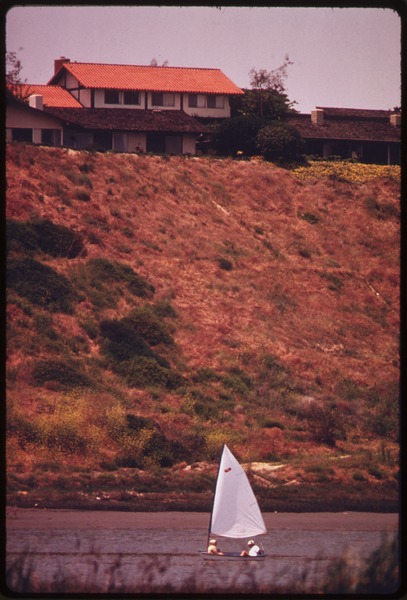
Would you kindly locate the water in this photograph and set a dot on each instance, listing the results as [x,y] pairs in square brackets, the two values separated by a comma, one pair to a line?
[167,560]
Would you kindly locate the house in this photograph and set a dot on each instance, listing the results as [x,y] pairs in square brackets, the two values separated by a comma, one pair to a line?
[129,108]
[199,92]
[371,136]
[29,123]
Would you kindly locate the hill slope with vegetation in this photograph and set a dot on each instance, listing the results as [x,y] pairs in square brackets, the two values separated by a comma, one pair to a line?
[160,306]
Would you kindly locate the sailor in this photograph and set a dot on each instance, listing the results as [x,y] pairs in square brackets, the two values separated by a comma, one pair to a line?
[213,547]
[254,550]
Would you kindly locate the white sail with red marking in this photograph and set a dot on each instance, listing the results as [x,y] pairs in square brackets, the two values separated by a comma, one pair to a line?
[235,513]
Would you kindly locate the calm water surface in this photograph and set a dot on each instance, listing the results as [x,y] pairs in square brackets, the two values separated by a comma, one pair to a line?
[148,559]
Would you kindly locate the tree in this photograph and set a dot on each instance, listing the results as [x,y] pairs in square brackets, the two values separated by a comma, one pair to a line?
[268,96]
[13,77]
[13,69]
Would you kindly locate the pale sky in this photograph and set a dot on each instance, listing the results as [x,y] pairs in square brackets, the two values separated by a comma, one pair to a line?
[343,57]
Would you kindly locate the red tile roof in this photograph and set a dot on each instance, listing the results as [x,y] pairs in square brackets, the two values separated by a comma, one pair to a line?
[53,95]
[128,119]
[156,79]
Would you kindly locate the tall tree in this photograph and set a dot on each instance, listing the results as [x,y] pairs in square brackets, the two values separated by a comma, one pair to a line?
[13,77]
[267,97]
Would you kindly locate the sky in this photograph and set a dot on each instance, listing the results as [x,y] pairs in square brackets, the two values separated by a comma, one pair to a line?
[342,57]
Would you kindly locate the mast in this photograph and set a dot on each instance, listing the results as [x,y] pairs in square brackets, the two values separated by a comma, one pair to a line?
[213,501]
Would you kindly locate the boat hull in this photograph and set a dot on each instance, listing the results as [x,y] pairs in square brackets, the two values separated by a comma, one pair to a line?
[230,556]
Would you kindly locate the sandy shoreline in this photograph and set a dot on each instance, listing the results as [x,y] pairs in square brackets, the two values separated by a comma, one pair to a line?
[26,518]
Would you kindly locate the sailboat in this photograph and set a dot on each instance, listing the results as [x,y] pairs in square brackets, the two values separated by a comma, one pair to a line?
[235,511]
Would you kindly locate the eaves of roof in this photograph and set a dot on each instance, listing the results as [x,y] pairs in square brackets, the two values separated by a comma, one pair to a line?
[148,78]
[125,119]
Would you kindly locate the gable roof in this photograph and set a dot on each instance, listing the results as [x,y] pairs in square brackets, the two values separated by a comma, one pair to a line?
[53,95]
[127,119]
[148,78]
[348,124]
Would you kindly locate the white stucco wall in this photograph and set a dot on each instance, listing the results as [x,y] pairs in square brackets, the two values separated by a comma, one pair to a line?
[20,118]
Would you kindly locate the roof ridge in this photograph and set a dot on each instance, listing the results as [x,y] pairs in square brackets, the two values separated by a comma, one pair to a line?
[67,64]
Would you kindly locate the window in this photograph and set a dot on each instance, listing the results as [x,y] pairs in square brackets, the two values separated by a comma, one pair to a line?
[131,97]
[103,139]
[215,101]
[193,100]
[164,144]
[157,99]
[163,99]
[120,142]
[22,135]
[51,137]
[112,97]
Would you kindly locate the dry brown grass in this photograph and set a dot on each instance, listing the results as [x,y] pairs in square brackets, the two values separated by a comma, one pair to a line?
[313,282]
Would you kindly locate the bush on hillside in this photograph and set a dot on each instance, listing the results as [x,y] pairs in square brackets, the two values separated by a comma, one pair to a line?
[121,341]
[103,270]
[67,375]
[40,284]
[149,326]
[144,372]
[45,236]
[326,424]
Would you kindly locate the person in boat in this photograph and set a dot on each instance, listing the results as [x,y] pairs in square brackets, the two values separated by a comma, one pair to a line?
[254,549]
[213,547]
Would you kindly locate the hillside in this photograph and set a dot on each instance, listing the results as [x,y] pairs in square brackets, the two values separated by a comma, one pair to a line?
[160,306]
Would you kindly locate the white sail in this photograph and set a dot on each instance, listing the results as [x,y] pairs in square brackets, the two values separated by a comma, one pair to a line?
[236,513]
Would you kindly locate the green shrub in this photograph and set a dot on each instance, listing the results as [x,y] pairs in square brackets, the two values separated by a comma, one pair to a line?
[279,141]
[82,194]
[122,342]
[80,178]
[335,282]
[225,264]
[104,271]
[236,134]
[26,430]
[57,240]
[145,372]
[21,236]
[149,326]
[40,284]
[382,211]
[237,381]
[326,425]
[309,217]
[164,309]
[104,281]
[136,422]
[384,410]
[65,375]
